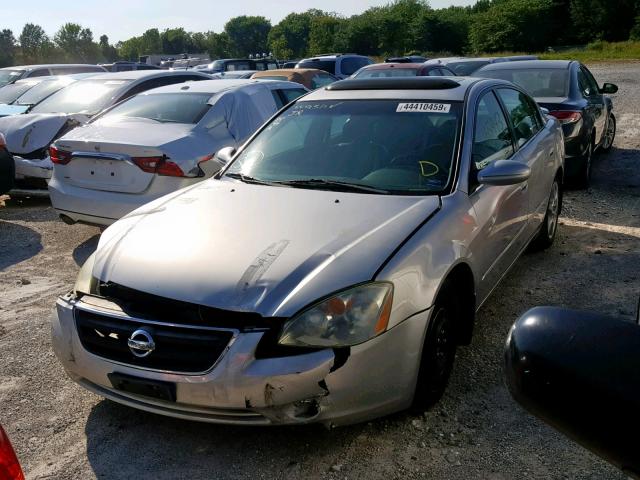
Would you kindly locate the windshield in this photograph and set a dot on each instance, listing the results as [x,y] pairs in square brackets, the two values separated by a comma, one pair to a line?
[466,68]
[386,73]
[326,65]
[41,91]
[541,82]
[391,146]
[9,93]
[85,96]
[9,76]
[163,107]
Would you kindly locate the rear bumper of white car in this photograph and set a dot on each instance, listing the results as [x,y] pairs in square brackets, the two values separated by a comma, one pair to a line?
[365,381]
[99,207]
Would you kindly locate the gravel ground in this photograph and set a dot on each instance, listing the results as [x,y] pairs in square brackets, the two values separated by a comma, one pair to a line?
[476,432]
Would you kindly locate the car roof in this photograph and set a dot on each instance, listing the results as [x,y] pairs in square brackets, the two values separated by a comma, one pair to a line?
[331,56]
[388,65]
[144,74]
[453,89]
[49,65]
[56,78]
[214,86]
[288,71]
[525,64]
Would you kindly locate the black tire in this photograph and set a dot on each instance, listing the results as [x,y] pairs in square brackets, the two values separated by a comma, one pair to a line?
[7,171]
[583,178]
[438,352]
[609,135]
[547,233]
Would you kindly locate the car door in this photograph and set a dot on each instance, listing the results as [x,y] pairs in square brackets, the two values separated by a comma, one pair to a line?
[595,100]
[501,211]
[534,148]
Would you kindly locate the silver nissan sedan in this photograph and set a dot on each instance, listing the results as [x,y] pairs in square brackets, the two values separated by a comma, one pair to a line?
[329,271]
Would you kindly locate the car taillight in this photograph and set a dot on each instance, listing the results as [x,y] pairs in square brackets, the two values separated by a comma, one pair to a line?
[9,465]
[3,143]
[61,157]
[566,116]
[158,165]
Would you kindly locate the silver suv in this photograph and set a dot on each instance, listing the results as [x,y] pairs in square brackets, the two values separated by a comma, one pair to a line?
[330,271]
[342,65]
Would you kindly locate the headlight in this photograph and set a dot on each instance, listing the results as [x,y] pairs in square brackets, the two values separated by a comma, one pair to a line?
[350,317]
[86,283]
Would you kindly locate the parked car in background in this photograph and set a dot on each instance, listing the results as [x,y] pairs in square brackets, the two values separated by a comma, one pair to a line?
[363,225]
[12,74]
[341,65]
[387,70]
[241,74]
[124,66]
[30,92]
[155,143]
[9,465]
[571,94]
[311,78]
[7,168]
[288,63]
[464,66]
[406,59]
[232,64]
[28,136]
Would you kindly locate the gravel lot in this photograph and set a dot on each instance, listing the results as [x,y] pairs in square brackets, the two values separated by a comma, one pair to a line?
[477,431]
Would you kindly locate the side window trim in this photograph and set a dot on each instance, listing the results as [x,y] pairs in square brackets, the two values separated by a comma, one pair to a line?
[512,127]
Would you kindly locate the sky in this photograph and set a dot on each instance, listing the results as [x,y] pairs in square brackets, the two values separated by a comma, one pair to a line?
[123,19]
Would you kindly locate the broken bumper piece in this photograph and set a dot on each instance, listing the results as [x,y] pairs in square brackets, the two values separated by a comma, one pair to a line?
[369,380]
[39,168]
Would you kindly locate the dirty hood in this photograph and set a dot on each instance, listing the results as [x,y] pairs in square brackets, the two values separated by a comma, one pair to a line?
[271,250]
[33,131]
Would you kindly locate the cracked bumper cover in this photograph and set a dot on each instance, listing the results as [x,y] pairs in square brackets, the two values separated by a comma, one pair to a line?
[377,378]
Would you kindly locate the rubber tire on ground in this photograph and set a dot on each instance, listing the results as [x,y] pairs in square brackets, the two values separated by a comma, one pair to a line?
[438,352]
[7,172]
[547,234]
[604,148]
[583,178]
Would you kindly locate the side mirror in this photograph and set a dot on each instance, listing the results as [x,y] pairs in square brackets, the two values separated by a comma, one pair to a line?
[578,372]
[224,155]
[504,172]
[609,88]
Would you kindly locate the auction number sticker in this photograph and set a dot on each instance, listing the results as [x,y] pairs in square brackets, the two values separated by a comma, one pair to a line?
[424,107]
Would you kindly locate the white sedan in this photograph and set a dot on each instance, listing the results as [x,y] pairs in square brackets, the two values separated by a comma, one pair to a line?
[155,143]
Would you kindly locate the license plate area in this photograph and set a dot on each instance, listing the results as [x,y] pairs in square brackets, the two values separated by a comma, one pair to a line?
[141,386]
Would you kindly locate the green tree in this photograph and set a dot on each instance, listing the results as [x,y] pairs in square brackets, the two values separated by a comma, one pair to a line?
[610,20]
[217,45]
[76,43]
[512,25]
[322,34]
[129,49]
[7,48]
[359,34]
[34,44]
[108,51]
[150,42]
[247,35]
[290,37]
[175,41]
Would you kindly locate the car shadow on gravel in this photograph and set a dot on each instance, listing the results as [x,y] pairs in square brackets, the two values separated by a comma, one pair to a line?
[85,249]
[17,244]
[123,443]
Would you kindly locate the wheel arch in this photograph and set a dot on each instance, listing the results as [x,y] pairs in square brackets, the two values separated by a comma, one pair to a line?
[460,281]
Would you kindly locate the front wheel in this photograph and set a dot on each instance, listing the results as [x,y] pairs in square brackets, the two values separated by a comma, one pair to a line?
[583,178]
[547,233]
[438,353]
[609,134]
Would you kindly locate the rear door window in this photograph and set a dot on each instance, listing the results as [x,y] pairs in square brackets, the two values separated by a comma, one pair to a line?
[492,139]
[321,80]
[350,65]
[521,113]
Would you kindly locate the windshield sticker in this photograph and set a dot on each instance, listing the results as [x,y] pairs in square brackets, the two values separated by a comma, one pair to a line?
[424,107]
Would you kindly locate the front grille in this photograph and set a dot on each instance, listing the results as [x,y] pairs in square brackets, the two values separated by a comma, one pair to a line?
[177,349]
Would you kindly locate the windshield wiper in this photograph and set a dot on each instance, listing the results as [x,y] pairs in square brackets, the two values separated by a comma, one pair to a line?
[333,185]
[247,179]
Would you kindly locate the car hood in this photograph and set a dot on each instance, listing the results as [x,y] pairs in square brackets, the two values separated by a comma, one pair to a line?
[34,131]
[130,132]
[271,250]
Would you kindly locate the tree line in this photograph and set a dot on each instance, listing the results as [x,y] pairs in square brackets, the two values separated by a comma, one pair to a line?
[398,28]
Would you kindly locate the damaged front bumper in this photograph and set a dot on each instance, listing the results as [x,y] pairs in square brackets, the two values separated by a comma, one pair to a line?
[376,377]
